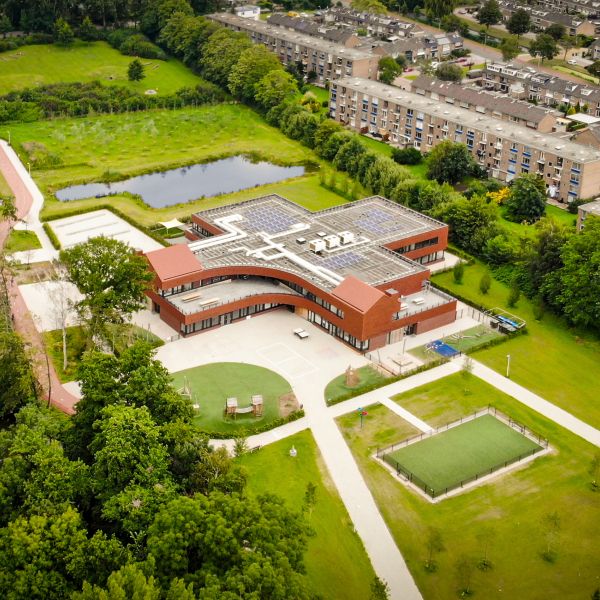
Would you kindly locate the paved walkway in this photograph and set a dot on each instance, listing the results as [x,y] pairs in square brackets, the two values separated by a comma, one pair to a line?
[545,408]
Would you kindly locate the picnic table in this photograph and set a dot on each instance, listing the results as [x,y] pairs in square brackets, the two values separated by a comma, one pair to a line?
[301,333]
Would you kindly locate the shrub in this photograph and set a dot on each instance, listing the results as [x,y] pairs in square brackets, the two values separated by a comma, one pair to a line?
[406,156]
[485,283]
[458,272]
[513,295]
[52,236]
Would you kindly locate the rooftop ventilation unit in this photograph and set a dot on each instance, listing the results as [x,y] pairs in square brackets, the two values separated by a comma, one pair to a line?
[317,245]
[347,237]
[332,241]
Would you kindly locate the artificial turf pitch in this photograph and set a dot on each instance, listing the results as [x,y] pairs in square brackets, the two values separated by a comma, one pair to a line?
[445,459]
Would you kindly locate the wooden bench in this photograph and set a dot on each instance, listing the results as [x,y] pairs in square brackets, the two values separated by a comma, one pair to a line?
[191,297]
[208,302]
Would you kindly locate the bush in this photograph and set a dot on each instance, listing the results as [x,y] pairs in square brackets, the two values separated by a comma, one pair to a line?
[513,295]
[52,236]
[140,45]
[298,414]
[458,272]
[406,156]
[485,283]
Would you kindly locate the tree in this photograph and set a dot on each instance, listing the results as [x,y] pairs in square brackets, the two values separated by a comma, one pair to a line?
[348,156]
[485,283]
[380,590]
[464,573]
[514,294]
[551,526]
[527,199]
[449,72]
[389,69]
[87,32]
[485,537]
[63,32]
[578,285]
[406,156]
[556,31]
[544,46]
[437,9]
[5,25]
[449,162]
[594,68]
[451,23]
[253,64]
[275,87]
[221,53]
[112,279]
[8,209]
[489,14]
[567,42]
[310,102]
[369,6]
[128,582]
[310,497]
[458,272]
[135,70]
[519,23]
[510,47]
[435,544]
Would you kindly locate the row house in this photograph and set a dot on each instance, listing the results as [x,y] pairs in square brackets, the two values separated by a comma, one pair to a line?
[541,18]
[504,149]
[492,104]
[344,36]
[327,59]
[427,47]
[589,9]
[381,26]
[541,88]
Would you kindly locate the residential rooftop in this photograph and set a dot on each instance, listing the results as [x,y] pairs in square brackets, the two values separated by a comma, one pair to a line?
[324,247]
[293,37]
[541,141]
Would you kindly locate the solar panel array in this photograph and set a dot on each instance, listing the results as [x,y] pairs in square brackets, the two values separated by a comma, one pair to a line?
[376,220]
[268,219]
[342,261]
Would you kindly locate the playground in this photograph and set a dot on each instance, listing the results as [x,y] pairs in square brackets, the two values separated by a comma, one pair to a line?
[236,399]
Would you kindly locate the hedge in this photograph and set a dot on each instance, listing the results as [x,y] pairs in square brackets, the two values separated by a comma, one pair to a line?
[363,389]
[298,414]
[112,209]
[52,236]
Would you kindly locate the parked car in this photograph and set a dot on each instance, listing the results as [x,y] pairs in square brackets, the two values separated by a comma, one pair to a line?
[572,62]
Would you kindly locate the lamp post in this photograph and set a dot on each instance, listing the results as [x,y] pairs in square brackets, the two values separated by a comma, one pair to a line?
[29,168]
[508,365]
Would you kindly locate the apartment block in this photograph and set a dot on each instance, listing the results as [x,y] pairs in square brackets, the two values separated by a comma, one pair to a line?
[332,33]
[493,104]
[327,59]
[590,209]
[426,47]
[542,88]
[504,149]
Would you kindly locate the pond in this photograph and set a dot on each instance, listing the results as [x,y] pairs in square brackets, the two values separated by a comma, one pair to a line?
[166,188]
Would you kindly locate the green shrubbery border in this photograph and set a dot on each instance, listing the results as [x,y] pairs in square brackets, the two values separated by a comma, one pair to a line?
[51,236]
[297,414]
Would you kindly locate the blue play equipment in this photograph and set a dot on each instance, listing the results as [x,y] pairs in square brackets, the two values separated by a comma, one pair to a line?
[443,349]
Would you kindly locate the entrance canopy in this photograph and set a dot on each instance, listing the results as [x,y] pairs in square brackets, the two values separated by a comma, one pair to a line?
[171,224]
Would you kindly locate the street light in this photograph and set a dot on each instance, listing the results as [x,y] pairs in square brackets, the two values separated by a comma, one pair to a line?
[29,168]
[508,365]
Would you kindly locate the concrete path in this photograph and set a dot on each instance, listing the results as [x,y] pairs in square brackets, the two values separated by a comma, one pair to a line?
[545,408]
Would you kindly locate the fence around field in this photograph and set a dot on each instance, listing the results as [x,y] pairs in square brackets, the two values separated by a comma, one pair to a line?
[384,454]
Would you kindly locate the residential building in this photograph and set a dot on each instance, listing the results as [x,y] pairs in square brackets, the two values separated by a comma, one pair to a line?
[492,104]
[589,136]
[543,17]
[327,59]
[586,8]
[344,35]
[356,270]
[504,149]
[541,88]
[380,26]
[248,11]
[593,50]
[586,210]
[426,47]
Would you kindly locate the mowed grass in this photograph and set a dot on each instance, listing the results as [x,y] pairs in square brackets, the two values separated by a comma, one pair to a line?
[5,189]
[559,363]
[511,507]
[212,384]
[20,241]
[30,66]
[444,460]
[337,565]
[337,387]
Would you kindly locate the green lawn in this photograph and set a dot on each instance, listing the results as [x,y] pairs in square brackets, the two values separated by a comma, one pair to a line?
[418,171]
[321,93]
[511,506]
[30,66]
[77,343]
[85,149]
[442,461]
[212,384]
[561,215]
[337,387]
[4,188]
[20,240]
[560,364]
[337,565]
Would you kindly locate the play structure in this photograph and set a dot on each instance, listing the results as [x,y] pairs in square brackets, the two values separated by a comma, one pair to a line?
[255,408]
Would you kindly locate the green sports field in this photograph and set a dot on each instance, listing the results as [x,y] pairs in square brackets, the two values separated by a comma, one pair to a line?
[444,460]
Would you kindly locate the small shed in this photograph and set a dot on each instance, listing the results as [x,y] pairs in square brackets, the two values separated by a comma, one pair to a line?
[257,405]
[231,405]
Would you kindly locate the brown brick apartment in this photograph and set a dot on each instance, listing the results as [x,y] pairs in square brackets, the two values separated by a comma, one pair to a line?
[357,270]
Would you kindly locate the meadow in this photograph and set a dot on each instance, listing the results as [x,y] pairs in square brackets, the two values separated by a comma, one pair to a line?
[30,66]
[336,562]
[506,519]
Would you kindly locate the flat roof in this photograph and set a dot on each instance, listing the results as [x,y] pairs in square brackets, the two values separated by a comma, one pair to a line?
[273,232]
[505,129]
[294,37]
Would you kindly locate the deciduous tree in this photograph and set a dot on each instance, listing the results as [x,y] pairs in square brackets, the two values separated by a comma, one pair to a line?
[449,162]
[135,70]
[510,47]
[389,69]
[544,46]
[275,87]
[519,23]
[527,198]
[253,64]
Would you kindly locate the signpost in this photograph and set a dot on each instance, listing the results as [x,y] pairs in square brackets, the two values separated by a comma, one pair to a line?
[362,414]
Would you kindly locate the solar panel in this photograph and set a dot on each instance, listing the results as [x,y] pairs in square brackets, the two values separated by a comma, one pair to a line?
[342,261]
[376,220]
[268,219]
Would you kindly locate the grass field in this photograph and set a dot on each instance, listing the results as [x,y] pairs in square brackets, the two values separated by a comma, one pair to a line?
[20,240]
[158,140]
[4,187]
[444,460]
[212,384]
[337,387]
[560,364]
[337,565]
[511,508]
[30,66]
